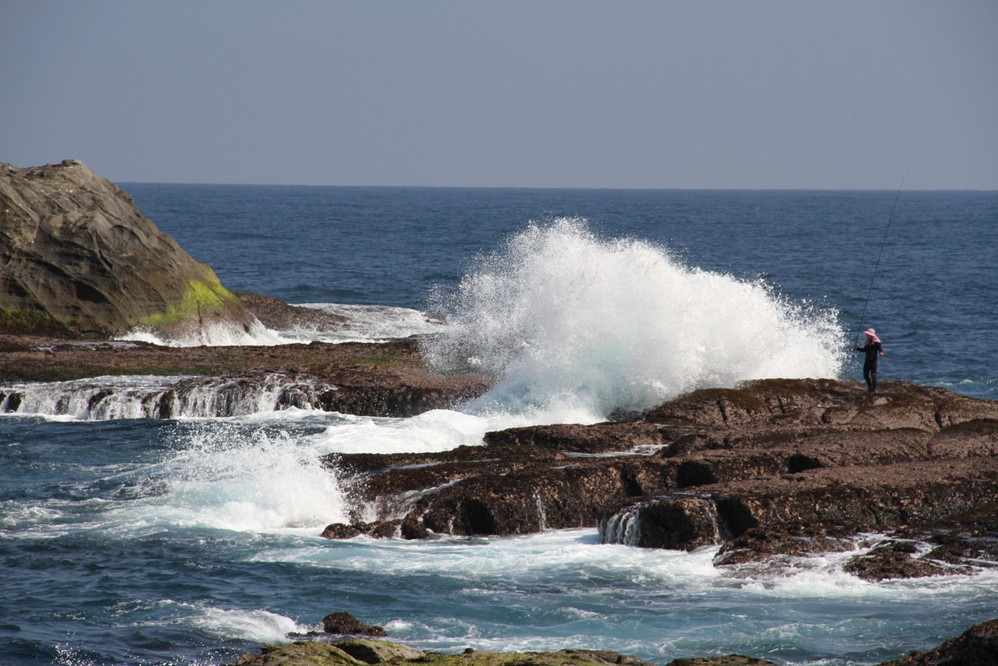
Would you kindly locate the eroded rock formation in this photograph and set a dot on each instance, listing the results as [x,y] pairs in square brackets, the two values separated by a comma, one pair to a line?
[772,467]
[78,259]
[374,379]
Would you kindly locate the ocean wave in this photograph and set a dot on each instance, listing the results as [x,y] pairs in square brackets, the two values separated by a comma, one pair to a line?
[587,325]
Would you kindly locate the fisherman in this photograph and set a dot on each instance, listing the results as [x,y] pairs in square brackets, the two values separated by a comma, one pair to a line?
[873,350]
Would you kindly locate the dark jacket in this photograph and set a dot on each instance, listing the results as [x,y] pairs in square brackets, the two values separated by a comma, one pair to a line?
[873,351]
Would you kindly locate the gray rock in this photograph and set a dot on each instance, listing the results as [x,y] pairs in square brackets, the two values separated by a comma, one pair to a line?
[78,259]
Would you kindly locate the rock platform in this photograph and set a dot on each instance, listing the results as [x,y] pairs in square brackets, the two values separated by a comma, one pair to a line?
[773,467]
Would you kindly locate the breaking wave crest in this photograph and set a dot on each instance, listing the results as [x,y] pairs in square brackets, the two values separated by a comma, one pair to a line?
[577,323]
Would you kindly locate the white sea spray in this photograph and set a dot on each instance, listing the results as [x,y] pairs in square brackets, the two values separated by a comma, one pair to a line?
[577,323]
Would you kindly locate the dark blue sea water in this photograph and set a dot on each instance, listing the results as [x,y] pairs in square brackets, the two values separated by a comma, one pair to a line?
[190,540]
[935,292]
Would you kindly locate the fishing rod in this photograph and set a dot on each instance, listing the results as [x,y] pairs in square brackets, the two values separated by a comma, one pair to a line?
[862,317]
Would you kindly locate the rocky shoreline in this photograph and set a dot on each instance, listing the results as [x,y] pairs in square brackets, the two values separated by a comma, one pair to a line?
[768,471]
[765,471]
[978,646]
[771,469]
[774,468]
[385,379]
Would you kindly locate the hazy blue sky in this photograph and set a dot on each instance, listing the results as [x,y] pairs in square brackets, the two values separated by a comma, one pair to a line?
[539,93]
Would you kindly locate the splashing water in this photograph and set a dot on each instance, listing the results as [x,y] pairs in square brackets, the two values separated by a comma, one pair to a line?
[580,325]
[237,476]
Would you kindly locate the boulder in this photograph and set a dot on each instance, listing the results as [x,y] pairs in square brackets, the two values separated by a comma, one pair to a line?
[78,259]
[345,623]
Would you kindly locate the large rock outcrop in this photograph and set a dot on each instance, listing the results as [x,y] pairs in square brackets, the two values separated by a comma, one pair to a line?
[78,259]
[773,467]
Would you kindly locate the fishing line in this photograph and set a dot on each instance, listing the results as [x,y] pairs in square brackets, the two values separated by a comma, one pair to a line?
[890,219]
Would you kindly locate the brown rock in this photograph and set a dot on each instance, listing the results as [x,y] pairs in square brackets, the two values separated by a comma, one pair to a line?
[279,316]
[345,623]
[77,258]
[729,660]
[598,438]
[894,560]
[978,646]
[807,463]
[372,379]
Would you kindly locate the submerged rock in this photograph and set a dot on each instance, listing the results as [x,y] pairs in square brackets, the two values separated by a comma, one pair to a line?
[78,259]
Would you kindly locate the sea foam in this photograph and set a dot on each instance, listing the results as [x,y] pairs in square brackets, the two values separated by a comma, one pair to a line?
[236,476]
[579,324]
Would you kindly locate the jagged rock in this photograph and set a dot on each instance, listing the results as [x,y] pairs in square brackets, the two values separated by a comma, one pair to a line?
[682,521]
[365,651]
[758,544]
[300,653]
[379,652]
[808,463]
[345,623]
[896,560]
[278,315]
[854,498]
[342,531]
[77,258]
[729,660]
[978,646]
[823,402]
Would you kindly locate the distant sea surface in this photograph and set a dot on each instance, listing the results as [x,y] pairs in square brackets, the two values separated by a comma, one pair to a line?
[132,540]
[934,300]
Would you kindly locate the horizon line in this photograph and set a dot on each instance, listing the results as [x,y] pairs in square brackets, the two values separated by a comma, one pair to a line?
[564,187]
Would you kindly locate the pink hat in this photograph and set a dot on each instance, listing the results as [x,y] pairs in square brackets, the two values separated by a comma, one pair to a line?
[872,333]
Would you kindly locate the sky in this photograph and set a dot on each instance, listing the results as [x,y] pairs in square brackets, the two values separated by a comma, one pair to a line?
[509,93]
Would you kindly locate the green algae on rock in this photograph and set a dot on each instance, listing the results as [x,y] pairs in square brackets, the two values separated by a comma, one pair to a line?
[358,652]
[79,260]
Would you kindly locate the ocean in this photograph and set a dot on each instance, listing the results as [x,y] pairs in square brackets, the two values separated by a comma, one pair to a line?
[131,540]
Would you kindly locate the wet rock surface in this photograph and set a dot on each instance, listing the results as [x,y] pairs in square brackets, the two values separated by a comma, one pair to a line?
[278,315]
[978,646]
[341,624]
[371,379]
[367,651]
[772,468]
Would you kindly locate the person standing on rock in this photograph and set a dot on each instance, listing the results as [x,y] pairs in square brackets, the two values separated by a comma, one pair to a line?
[873,350]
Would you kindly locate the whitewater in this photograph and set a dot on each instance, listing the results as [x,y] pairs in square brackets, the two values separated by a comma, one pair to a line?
[189,539]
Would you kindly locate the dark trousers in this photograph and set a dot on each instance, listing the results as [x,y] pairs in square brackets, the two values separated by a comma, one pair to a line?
[870,375]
